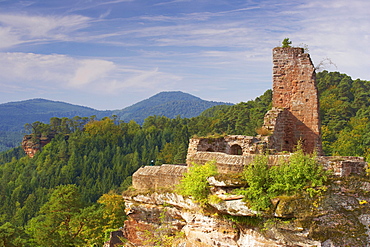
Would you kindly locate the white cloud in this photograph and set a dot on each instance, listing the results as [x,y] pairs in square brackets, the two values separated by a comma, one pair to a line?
[7,38]
[90,4]
[43,73]
[30,67]
[90,70]
[339,30]
[171,2]
[18,28]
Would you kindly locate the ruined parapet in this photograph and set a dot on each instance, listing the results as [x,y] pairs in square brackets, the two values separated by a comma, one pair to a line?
[155,177]
[341,166]
[295,95]
[231,144]
[225,163]
[229,163]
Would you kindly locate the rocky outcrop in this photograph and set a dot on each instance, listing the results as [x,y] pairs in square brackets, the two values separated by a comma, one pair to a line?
[338,217]
[31,144]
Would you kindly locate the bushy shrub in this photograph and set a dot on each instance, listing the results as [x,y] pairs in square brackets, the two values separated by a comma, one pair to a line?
[300,174]
[195,182]
[257,175]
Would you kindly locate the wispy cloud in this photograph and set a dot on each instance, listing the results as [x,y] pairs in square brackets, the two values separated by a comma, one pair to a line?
[171,2]
[55,72]
[17,28]
[90,70]
[91,4]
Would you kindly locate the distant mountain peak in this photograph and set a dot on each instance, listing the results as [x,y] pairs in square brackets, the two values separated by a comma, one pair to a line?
[169,104]
[175,95]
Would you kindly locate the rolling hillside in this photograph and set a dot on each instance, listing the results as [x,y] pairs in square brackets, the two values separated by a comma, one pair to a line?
[169,104]
[14,115]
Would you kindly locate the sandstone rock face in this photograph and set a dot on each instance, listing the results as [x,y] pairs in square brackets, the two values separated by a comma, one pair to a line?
[295,101]
[338,217]
[32,144]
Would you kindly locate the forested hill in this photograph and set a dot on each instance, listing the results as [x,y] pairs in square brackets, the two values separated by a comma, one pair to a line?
[168,104]
[345,114]
[14,115]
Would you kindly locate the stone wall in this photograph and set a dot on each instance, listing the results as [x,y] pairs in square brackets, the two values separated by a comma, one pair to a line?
[343,166]
[155,177]
[225,163]
[340,165]
[295,94]
[276,121]
[167,176]
[231,144]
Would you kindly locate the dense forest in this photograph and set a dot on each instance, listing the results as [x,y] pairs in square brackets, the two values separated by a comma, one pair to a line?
[14,115]
[68,194]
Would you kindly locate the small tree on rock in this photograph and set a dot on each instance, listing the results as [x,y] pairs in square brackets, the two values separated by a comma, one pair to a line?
[286,43]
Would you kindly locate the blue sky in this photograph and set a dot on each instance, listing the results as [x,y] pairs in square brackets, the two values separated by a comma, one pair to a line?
[109,54]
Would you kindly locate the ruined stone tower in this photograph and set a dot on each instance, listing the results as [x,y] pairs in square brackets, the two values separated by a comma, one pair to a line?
[295,113]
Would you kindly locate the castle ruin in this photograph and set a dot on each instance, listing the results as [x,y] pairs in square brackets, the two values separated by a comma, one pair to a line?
[295,114]
[294,118]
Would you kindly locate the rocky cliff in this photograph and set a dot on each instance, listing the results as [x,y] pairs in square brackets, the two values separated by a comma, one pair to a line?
[31,144]
[340,216]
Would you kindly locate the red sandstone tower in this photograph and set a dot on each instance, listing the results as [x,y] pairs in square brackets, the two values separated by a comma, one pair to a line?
[295,113]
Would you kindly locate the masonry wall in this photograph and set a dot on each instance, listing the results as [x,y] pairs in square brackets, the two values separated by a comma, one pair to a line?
[168,176]
[294,90]
[155,177]
[230,144]
[340,165]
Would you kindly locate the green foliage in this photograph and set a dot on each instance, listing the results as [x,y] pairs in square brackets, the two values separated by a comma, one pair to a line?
[97,157]
[257,175]
[195,182]
[114,209]
[242,119]
[64,221]
[10,139]
[345,114]
[12,236]
[286,43]
[58,222]
[301,173]
[11,154]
